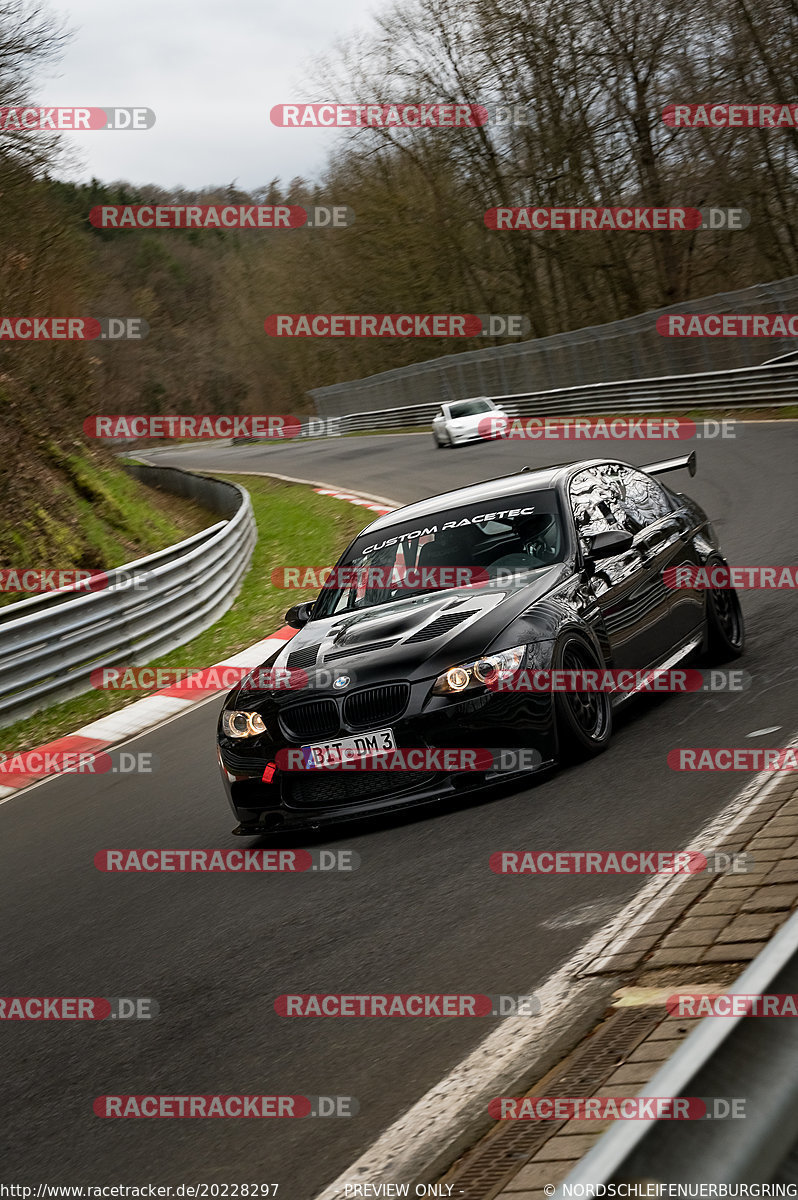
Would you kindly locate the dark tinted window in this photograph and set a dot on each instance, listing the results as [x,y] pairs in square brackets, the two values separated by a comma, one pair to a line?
[614,496]
[469,408]
[507,536]
[645,501]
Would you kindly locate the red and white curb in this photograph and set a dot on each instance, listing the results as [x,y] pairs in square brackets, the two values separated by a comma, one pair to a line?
[161,705]
[139,717]
[367,504]
[377,504]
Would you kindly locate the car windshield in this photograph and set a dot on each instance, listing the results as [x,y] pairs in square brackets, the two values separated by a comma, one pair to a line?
[469,408]
[472,546]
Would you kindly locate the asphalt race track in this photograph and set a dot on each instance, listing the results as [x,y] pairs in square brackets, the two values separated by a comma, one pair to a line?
[423,913]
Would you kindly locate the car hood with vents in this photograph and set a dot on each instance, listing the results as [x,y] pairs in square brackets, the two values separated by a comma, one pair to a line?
[413,638]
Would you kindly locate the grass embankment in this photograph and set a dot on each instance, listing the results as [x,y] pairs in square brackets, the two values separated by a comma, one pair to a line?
[90,514]
[295,526]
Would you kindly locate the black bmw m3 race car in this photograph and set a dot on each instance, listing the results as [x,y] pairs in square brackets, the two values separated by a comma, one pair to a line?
[434,609]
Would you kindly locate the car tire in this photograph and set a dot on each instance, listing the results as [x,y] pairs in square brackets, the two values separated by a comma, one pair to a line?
[725,637]
[584,719]
[439,445]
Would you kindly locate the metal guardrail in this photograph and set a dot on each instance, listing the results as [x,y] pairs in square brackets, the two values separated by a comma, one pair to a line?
[625,349]
[50,644]
[753,1058]
[773,386]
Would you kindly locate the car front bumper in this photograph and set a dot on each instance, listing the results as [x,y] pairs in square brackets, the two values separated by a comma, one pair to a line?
[312,798]
[460,437]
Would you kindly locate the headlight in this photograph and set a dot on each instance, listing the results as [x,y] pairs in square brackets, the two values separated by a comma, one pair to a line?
[237,724]
[480,672]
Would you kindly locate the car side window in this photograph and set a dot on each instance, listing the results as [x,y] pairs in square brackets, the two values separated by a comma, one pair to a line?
[597,502]
[645,501]
[613,496]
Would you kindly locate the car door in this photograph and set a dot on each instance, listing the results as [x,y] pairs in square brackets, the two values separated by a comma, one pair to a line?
[666,542]
[628,588]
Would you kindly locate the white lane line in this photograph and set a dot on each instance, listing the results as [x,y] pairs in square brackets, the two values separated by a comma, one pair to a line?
[425,1140]
[582,914]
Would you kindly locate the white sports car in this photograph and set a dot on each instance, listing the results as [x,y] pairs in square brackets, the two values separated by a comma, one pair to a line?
[467,421]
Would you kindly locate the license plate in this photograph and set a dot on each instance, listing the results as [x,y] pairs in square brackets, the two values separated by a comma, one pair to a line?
[324,754]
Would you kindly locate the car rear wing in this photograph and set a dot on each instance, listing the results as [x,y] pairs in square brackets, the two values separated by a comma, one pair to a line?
[672,464]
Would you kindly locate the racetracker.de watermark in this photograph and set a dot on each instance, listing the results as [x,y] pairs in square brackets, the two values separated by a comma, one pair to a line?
[617,220]
[73,579]
[221,216]
[621,219]
[73,329]
[162,1106]
[622,680]
[597,862]
[721,577]
[612,1108]
[337,756]
[233,862]
[731,116]
[190,426]
[221,678]
[24,119]
[733,758]
[620,862]
[725,1004]
[78,1008]
[434,115]
[38,763]
[405,1004]
[728,325]
[410,578]
[655,429]
[415,325]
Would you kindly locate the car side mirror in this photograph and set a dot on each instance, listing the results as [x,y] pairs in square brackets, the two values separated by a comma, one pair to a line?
[298,616]
[609,542]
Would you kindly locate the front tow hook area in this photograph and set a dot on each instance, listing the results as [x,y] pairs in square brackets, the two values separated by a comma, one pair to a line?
[269,823]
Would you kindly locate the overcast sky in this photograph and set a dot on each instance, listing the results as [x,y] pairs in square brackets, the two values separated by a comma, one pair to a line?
[211,71]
